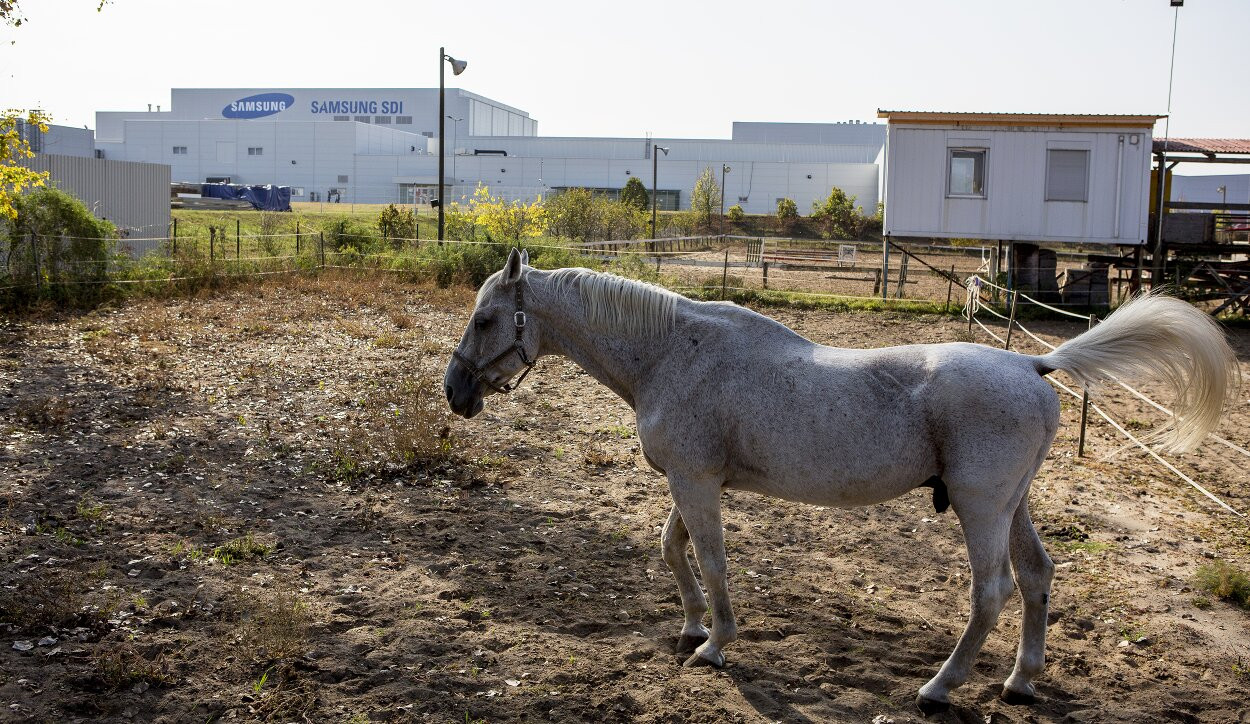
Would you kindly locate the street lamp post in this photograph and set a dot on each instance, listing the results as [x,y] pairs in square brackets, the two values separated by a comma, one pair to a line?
[724,169]
[655,159]
[457,67]
[1223,195]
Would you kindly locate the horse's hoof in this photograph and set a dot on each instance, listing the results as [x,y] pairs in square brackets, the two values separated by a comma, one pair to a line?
[698,660]
[687,643]
[1018,698]
[929,707]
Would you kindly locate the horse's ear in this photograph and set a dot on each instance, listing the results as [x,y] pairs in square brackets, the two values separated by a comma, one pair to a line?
[512,270]
[525,257]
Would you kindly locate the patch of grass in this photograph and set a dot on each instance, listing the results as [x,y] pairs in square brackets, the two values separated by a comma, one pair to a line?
[401,320]
[45,413]
[123,665]
[1226,582]
[240,549]
[274,627]
[388,340]
[597,456]
[45,600]
[1202,603]
[624,432]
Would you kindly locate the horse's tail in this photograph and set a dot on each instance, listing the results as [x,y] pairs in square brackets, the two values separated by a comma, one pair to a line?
[1167,338]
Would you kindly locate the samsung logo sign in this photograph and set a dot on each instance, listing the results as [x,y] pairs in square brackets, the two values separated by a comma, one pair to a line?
[258,106]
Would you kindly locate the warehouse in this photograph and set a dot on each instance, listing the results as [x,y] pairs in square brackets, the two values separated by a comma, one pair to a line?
[381,146]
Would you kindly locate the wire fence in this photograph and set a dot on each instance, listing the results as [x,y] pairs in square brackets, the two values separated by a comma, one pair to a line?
[976,302]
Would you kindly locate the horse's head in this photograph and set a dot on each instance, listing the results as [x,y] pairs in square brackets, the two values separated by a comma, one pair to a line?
[497,345]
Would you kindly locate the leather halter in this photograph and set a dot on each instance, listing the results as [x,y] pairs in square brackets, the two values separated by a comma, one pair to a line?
[479,373]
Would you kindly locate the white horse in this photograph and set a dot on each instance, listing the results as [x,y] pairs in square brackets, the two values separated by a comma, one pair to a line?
[728,398]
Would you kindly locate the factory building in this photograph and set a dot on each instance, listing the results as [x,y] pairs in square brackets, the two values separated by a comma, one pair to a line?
[381,146]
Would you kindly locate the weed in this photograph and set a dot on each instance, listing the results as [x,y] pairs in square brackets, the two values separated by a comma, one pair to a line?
[1202,603]
[1090,547]
[44,413]
[1241,669]
[64,536]
[259,684]
[401,320]
[492,461]
[91,511]
[597,456]
[46,600]
[1225,581]
[388,340]
[624,432]
[240,549]
[558,452]
[274,627]
[123,665]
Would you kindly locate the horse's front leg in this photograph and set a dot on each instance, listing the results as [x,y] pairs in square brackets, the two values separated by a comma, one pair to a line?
[698,504]
[674,542]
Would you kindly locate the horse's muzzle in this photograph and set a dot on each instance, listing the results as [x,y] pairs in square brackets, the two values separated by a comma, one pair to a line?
[464,394]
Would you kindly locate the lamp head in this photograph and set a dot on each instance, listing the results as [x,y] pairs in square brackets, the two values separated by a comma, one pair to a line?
[457,66]
[726,168]
[662,148]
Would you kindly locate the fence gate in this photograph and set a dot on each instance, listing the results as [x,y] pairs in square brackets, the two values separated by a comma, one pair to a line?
[755,251]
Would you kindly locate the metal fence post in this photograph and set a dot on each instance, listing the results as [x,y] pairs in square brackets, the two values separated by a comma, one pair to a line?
[212,238]
[238,243]
[34,255]
[175,239]
[322,235]
[1080,445]
[724,275]
[950,287]
[1011,318]
[885,268]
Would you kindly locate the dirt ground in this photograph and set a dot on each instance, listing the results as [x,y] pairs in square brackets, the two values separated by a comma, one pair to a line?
[245,506]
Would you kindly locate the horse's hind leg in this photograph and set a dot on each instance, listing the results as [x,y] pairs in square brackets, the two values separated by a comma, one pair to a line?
[698,503]
[1034,571]
[674,542]
[986,536]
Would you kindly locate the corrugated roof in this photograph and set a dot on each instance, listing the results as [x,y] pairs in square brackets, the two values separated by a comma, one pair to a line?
[1019,119]
[1204,145]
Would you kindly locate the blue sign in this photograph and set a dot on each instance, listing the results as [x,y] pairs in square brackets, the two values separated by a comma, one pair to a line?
[258,106]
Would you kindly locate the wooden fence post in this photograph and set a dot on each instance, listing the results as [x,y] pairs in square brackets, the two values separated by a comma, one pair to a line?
[1080,445]
[212,239]
[175,239]
[724,277]
[766,275]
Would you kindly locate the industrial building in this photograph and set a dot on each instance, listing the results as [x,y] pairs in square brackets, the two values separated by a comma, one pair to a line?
[381,146]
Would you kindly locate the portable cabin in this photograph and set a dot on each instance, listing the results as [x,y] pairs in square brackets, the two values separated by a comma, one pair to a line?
[1017,176]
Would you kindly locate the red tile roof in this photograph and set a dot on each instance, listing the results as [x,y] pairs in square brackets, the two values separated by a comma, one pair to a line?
[1204,145]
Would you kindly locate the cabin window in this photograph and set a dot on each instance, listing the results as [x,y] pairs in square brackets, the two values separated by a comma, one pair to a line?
[403,120]
[255,151]
[180,150]
[966,172]
[1067,175]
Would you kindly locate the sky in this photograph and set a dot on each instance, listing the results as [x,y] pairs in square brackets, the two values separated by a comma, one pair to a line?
[672,69]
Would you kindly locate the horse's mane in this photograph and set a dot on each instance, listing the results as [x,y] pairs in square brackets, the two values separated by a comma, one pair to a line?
[617,304]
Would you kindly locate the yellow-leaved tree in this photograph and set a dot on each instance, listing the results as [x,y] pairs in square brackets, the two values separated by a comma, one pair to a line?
[15,148]
[507,220]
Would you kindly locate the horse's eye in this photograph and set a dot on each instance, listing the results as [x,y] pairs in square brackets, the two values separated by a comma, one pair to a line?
[480,323]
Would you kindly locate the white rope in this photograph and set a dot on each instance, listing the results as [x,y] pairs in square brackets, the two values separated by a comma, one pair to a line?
[1150,452]
[987,331]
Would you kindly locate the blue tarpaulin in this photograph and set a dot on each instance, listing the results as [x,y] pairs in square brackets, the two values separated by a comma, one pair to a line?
[264,198]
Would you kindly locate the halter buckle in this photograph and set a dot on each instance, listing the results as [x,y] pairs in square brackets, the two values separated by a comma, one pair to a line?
[519,320]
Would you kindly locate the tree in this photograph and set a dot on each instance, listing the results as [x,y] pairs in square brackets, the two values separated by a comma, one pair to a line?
[397,223]
[507,220]
[705,199]
[787,214]
[735,213]
[15,148]
[838,216]
[635,194]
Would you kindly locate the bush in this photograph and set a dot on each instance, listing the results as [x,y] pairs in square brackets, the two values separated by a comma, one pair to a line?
[57,246]
[397,223]
[347,235]
[787,209]
[579,214]
[736,214]
[635,194]
[838,216]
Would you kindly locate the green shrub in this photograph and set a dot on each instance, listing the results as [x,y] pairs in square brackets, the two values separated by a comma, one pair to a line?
[397,223]
[736,214]
[345,232]
[787,209]
[1225,581]
[635,194]
[57,250]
